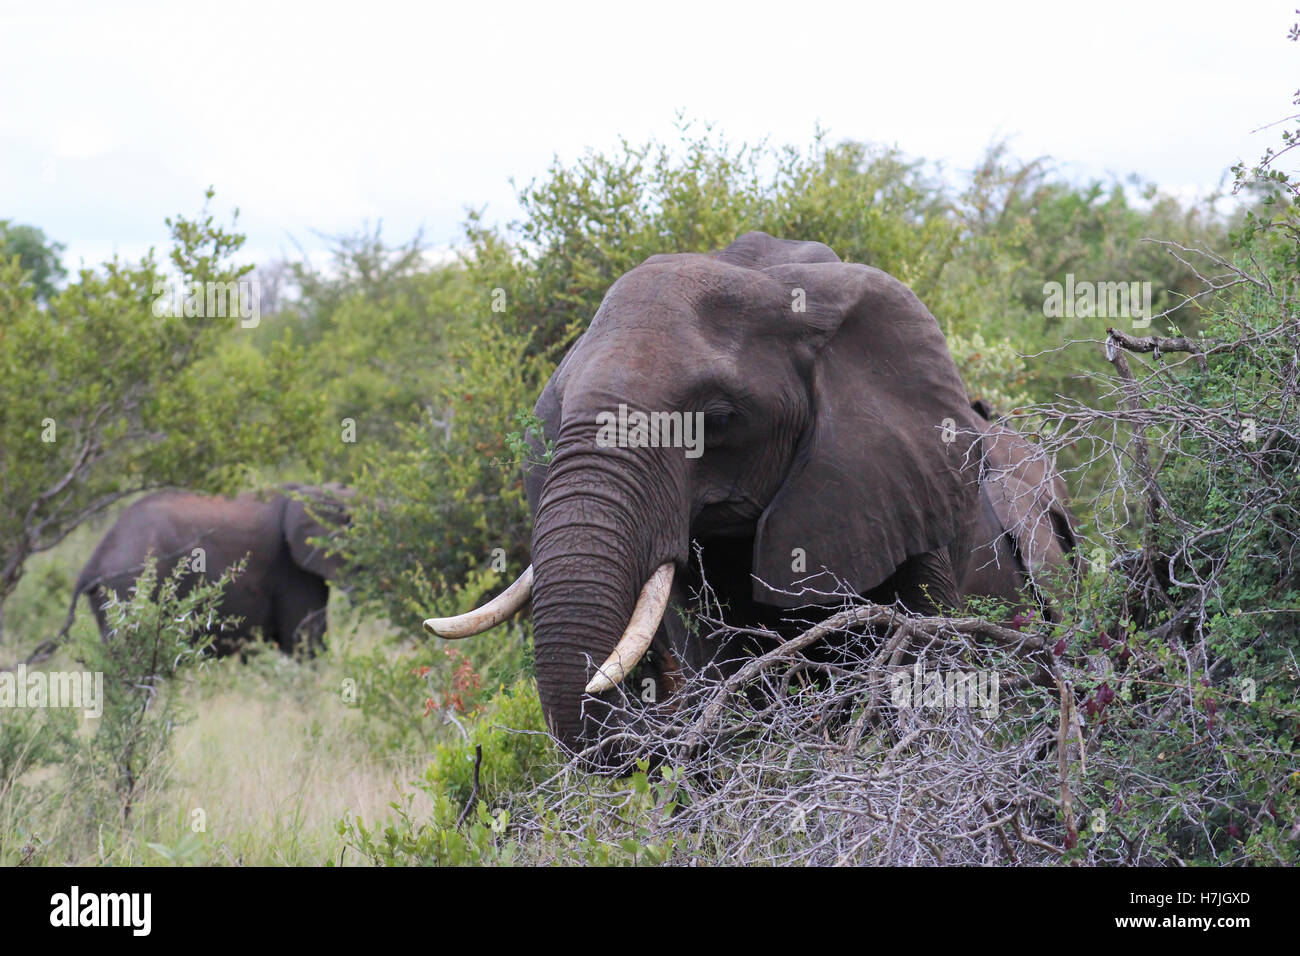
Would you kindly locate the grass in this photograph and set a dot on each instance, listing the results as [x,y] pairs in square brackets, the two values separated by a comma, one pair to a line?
[271,760]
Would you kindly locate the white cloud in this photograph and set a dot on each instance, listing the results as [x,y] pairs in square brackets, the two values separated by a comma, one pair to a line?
[318,116]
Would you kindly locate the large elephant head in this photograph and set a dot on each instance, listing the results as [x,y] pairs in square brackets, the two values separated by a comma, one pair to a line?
[832,458]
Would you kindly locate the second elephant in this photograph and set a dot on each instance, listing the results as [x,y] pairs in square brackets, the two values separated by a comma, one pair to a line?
[283,588]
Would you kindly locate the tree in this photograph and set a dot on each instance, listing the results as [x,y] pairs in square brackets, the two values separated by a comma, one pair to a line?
[38,257]
[111,391]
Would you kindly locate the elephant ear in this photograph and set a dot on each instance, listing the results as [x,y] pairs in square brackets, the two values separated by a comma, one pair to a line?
[888,468]
[304,522]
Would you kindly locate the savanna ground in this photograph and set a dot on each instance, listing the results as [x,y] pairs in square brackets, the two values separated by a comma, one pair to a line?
[271,756]
[1154,722]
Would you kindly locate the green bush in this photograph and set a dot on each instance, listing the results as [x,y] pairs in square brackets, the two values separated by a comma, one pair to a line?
[482,787]
[159,634]
[511,736]
[502,750]
[1192,627]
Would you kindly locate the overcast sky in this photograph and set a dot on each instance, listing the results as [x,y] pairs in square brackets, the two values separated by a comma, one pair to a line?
[317,116]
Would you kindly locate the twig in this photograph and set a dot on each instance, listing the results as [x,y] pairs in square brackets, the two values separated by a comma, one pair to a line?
[473,794]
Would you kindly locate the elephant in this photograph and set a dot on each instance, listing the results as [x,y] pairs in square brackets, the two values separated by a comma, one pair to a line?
[1025,530]
[840,456]
[283,588]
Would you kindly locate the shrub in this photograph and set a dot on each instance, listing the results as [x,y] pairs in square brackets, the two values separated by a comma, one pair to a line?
[160,633]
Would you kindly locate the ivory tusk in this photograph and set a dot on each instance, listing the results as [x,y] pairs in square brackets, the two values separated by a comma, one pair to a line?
[647,614]
[489,615]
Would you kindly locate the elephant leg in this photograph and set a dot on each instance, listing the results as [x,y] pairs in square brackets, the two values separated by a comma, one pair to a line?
[924,584]
[97,600]
[311,633]
[300,615]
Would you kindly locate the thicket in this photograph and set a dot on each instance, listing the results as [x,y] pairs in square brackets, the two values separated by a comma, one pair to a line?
[414,380]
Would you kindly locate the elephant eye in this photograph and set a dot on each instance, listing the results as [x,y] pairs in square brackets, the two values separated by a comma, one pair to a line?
[717,418]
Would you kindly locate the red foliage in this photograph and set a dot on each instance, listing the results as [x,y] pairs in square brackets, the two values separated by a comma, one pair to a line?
[465,686]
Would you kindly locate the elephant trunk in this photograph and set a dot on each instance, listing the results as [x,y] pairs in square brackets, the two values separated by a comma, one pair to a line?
[606,520]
